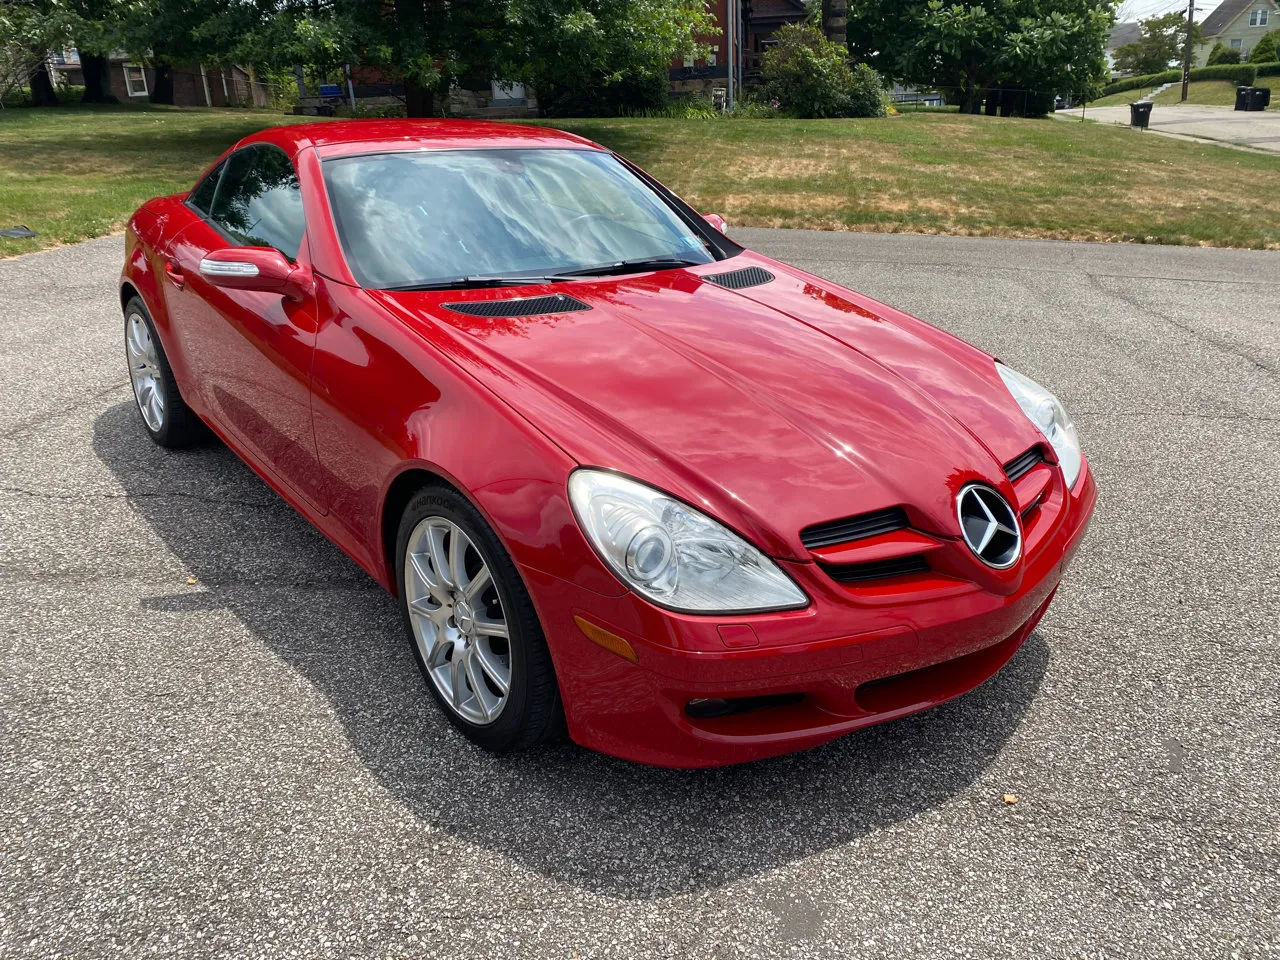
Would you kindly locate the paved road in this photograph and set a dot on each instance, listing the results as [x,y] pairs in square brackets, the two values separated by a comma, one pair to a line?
[248,765]
[1257,129]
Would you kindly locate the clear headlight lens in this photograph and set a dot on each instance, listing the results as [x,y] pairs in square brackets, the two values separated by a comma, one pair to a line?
[672,554]
[1050,417]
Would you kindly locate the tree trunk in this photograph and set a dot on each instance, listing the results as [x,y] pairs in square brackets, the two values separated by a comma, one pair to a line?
[994,99]
[419,101]
[835,19]
[162,85]
[42,92]
[97,84]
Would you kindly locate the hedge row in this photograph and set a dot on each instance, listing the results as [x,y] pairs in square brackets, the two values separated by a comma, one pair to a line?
[1134,83]
[1242,74]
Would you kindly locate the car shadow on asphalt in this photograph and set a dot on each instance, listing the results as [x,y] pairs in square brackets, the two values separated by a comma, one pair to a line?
[577,817]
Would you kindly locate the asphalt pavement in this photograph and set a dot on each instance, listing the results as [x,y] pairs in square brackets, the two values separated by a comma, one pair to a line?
[214,741]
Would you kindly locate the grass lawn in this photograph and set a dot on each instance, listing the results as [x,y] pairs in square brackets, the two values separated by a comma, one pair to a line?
[1217,92]
[71,173]
[1120,99]
[959,174]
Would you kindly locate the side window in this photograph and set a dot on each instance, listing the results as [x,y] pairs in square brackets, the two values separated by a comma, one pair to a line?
[201,197]
[258,201]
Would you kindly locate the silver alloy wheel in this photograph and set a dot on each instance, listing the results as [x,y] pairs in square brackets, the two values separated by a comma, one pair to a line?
[458,620]
[144,370]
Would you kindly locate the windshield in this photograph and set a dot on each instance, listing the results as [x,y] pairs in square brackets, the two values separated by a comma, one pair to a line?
[432,218]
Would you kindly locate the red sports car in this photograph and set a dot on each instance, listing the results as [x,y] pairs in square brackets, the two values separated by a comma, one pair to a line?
[625,477]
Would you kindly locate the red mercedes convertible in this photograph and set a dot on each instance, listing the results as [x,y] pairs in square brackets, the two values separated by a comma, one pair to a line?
[626,478]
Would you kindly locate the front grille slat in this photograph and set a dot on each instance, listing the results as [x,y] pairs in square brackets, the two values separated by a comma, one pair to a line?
[879,570]
[1020,466]
[854,528]
[520,306]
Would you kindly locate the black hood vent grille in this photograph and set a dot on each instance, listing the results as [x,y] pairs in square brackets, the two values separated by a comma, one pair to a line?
[740,279]
[520,307]
[1019,467]
[854,528]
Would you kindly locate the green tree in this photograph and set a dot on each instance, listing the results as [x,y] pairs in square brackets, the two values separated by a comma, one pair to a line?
[601,56]
[1222,54]
[1267,49]
[96,28]
[1159,47]
[810,76]
[1041,46]
[28,31]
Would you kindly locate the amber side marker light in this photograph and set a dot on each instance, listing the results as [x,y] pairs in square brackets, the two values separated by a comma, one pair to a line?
[603,638]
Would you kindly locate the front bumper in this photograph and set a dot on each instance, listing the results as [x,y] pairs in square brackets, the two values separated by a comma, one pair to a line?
[853,658]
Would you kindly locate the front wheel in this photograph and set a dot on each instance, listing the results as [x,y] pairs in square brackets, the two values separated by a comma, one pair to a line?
[168,420]
[475,634]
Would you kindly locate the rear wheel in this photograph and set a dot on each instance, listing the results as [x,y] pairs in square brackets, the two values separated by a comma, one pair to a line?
[167,419]
[474,631]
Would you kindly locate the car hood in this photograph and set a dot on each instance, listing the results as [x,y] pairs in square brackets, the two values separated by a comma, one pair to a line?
[772,407]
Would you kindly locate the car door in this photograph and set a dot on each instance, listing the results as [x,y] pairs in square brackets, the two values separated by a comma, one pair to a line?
[250,352]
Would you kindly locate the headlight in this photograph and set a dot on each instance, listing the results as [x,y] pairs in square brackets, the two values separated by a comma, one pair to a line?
[1050,417]
[670,553]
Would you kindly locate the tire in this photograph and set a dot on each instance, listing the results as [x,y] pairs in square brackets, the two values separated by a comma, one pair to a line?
[165,416]
[454,636]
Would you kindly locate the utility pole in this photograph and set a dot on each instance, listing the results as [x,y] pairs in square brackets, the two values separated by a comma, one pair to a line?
[1186,50]
[733,49]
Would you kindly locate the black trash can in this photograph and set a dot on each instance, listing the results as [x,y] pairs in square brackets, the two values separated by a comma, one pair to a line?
[1140,114]
[1266,97]
[1259,97]
[1242,98]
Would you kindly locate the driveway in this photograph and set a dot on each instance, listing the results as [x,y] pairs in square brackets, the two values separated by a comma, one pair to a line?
[214,741]
[1257,129]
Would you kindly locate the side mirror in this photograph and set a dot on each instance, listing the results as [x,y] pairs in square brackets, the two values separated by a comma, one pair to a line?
[257,268]
[716,221]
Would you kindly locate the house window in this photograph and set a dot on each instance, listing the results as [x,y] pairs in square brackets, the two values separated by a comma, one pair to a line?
[1258,18]
[1235,44]
[135,81]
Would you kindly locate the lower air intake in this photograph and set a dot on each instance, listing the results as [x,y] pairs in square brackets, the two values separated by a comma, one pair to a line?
[740,279]
[520,307]
[879,570]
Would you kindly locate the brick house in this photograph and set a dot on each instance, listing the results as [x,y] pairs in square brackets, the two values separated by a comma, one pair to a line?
[193,85]
[757,21]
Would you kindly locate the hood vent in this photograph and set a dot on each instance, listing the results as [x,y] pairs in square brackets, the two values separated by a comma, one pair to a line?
[854,528]
[1019,467]
[740,279]
[520,307]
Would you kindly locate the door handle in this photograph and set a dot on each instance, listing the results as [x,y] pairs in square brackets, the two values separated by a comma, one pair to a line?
[175,273]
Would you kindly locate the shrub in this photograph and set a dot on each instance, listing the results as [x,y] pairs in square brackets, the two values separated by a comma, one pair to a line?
[810,76]
[1241,74]
[866,94]
[1136,83]
[1267,49]
[1222,54]
[1269,70]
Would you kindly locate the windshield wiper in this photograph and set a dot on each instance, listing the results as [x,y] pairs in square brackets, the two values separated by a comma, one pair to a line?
[465,283]
[630,266]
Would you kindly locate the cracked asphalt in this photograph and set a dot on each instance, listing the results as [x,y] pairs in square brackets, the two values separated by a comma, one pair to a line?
[214,742]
